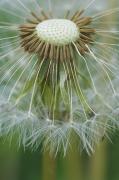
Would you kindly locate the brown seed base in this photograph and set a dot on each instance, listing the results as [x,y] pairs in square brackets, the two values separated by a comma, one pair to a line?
[33,44]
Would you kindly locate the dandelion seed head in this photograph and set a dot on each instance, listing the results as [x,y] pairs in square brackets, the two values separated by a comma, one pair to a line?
[58,75]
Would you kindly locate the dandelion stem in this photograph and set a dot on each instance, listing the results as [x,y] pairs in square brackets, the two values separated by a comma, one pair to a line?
[73,162]
[98,163]
[49,167]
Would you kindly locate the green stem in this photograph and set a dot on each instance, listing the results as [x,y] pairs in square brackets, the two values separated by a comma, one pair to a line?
[72,162]
[98,163]
[49,167]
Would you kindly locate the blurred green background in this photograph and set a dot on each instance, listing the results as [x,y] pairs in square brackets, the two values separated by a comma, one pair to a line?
[20,164]
[27,165]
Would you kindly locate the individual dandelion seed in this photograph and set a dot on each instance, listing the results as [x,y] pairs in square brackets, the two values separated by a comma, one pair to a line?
[55,75]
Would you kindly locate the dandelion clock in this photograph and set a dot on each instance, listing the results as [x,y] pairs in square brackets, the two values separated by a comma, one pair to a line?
[58,73]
